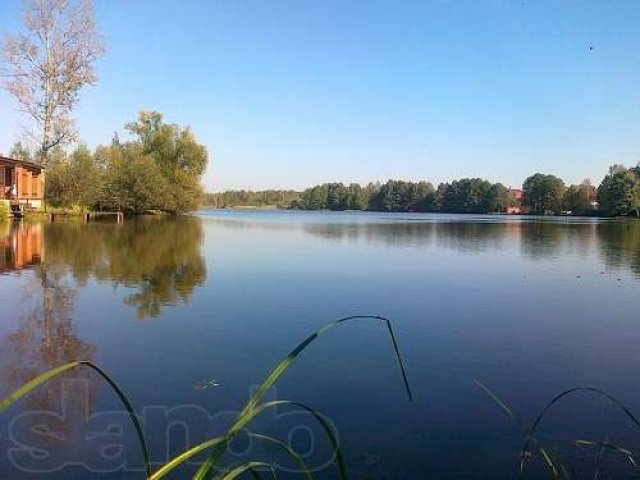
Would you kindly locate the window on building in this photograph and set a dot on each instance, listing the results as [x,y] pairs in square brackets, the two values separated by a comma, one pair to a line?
[34,185]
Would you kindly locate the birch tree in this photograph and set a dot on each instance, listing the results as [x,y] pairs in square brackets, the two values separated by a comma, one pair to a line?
[47,65]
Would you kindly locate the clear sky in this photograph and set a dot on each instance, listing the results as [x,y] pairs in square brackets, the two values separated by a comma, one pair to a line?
[294,93]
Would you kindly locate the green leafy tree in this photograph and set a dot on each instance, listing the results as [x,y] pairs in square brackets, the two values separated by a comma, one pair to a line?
[358,197]
[181,160]
[337,196]
[497,198]
[469,195]
[392,196]
[314,198]
[579,199]
[420,196]
[249,198]
[133,181]
[619,192]
[73,179]
[543,194]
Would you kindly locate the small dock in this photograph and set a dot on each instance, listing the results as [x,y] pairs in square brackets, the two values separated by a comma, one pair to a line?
[117,216]
[90,216]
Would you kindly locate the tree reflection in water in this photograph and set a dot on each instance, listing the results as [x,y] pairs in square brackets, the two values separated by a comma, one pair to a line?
[620,245]
[45,337]
[159,258]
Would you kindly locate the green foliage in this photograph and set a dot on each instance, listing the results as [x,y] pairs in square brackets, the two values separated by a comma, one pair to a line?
[160,169]
[619,192]
[358,197]
[543,194]
[5,209]
[579,199]
[469,195]
[132,181]
[177,157]
[337,196]
[461,196]
[314,198]
[498,198]
[216,447]
[550,457]
[400,196]
[396,196]
[73,179]
[248,198]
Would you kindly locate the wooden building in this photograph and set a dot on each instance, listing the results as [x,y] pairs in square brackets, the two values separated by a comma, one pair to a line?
[21,182]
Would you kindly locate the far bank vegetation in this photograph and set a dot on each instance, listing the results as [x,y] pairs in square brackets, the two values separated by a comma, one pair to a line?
[541,194]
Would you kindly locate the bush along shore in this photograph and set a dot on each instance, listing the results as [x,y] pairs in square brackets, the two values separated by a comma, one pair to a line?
[158,169]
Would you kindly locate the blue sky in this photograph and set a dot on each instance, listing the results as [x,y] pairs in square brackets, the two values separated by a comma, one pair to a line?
[294,93]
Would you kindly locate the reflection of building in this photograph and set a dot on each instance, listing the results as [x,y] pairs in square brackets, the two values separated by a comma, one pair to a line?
[515,196]
[21,182]
[21,247]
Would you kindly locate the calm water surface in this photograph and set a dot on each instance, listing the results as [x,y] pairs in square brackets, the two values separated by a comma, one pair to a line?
[530,307]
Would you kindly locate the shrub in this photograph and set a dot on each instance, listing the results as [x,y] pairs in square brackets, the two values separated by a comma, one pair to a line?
[5,209]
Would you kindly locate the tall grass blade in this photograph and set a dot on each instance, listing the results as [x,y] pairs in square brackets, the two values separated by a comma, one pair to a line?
[297,458]
[184,456]
[596,474]
[527,434]
[219,450]
[286,362]
[282,367]
[610,446]
[49,374]
[32,384]
[236,471]
[570,391]
[205,470]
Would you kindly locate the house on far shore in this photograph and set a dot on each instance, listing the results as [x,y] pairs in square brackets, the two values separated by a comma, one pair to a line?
[21,182]
[516,195]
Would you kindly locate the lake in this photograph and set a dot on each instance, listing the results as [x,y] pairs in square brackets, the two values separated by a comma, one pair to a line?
[189,314]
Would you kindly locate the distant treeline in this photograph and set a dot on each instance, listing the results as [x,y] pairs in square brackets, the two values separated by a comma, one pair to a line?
[469,195]
[543,194]
[248,198]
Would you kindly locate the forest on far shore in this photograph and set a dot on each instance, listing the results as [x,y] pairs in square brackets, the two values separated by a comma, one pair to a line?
[617,195]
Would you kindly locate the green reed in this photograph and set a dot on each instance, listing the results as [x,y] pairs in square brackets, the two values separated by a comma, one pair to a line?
[216,447]
[554,465]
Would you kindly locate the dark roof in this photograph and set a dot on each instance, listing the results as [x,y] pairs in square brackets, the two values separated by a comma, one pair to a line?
[13,161]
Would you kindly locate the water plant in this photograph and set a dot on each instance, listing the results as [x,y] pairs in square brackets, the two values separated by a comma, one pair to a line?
[554,464]
[5,209]
[215,448]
